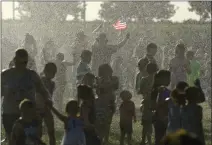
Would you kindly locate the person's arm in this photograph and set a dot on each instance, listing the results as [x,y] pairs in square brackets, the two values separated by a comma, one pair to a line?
[68,63]
[137,81]
[2,84]
[199,113]
[134,113]
[142,84]
[115,82]
[98,28]
[40,88]
[61,117]
[201,98]
[187,67]
[121,44]
[16,133]
[85,112]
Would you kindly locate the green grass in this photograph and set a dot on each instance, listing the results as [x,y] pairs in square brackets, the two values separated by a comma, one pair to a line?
[114,135]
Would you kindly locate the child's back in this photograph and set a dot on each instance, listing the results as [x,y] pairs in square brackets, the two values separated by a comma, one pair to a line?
[192,118]
[74,133]
[127,112]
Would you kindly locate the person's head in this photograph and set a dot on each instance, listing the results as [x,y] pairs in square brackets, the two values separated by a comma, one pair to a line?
[50,70]
[88,79]
[151,49]
[177,98]
[180,137]
[85,93]
[151,68]
[125,95]
[192,94]
[21,58]
[105,70]
[181,87]
[27,109]
[180,50]
[81,36]
[142,64]
[29,39]
[163,77]
[60,56]
[102,39]
[86,56]
[72,108]
[190,55]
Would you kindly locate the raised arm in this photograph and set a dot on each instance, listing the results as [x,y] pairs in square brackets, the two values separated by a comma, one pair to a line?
[68,63]
[122,43]
[98,28]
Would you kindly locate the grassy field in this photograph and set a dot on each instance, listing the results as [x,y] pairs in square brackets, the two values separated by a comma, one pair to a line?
[114,135]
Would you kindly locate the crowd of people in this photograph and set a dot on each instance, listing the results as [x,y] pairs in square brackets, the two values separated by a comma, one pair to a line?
[170,98]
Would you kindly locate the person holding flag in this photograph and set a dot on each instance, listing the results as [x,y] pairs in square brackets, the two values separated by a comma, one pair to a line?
[102,51]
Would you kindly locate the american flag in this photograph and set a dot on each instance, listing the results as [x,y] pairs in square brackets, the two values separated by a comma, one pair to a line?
[120,25]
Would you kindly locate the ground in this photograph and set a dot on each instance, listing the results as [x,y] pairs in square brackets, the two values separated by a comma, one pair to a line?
[114,135]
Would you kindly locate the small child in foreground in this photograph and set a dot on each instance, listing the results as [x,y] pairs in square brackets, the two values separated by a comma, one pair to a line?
[127,115]
[26,128]
[74,128]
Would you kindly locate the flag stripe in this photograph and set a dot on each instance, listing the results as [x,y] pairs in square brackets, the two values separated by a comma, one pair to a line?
[120,25]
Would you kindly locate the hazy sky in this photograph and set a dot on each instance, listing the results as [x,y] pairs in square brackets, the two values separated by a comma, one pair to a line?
[93,7]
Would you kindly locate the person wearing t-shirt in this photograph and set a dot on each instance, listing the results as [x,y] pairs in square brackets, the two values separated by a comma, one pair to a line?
[179,66]
[195,68]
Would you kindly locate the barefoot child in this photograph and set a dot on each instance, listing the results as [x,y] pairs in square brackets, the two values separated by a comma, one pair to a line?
[74,134]
[146,86]
[127,115]
[26,129]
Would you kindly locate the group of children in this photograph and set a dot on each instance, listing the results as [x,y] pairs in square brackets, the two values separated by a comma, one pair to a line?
[87,120]
[169,110]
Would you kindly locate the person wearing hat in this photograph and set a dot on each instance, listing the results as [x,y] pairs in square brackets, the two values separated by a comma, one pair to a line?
[102,51]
